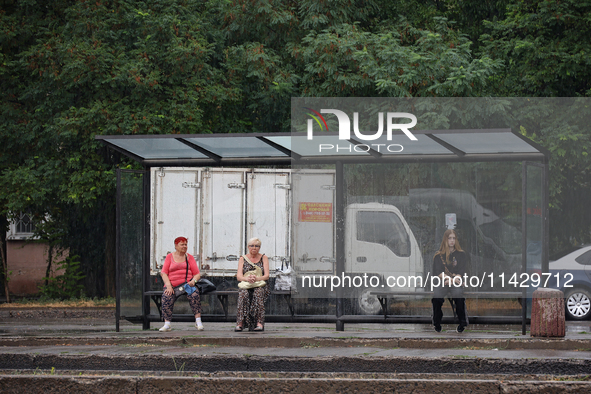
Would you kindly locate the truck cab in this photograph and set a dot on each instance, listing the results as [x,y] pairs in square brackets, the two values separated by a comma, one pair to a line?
[380,243]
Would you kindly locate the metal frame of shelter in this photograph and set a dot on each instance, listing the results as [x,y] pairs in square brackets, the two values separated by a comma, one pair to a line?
[267,149]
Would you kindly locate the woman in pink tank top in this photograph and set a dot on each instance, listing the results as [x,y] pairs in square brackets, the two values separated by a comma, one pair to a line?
[180,267]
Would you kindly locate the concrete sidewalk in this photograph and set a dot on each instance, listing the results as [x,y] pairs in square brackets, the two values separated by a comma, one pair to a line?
[299,338]
[69,339]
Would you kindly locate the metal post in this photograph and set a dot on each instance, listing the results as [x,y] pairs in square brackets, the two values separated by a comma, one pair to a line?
[523,243]
[146,249]
[117,246]
[340,237]
[545,217]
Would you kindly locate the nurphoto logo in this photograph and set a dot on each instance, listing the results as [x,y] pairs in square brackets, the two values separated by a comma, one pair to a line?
[345,131]
[345,124]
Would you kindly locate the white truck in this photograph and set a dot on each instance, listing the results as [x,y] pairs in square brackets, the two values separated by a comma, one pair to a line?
[291,212]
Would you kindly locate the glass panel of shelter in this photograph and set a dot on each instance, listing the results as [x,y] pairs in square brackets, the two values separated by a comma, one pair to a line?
[534,228]
[236,147]
[483,198]
[131,237]
[157,148]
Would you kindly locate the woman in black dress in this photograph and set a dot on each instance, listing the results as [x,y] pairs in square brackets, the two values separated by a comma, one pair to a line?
[450,263]
[251,302]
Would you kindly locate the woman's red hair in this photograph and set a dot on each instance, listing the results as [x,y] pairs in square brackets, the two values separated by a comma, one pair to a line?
[180,239]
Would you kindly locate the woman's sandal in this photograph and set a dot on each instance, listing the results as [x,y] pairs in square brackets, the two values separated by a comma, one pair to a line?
[259,328]
[238,329]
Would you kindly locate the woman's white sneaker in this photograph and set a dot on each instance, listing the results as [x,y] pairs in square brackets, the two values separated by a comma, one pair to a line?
[165,329]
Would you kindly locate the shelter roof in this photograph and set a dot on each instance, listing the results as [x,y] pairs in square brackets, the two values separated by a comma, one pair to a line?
[294,148]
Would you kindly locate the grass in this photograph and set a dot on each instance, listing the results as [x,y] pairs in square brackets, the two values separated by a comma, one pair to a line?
[178,368]
[306,345]
[478,348]
[189,345]
[583,378]
[137,345]
[82,302]
[370,353]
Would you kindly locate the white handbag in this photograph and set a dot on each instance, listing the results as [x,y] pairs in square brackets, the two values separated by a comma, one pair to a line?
[257,271]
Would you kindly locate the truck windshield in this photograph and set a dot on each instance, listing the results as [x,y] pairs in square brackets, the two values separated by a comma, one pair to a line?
[384,228]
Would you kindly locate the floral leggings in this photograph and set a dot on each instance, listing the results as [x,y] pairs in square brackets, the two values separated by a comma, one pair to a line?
[251,307]
[169,300]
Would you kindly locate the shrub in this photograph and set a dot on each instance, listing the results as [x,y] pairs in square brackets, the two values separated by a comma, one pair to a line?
[67,285]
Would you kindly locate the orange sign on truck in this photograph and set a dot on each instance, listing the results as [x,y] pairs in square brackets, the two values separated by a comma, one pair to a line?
[315,212]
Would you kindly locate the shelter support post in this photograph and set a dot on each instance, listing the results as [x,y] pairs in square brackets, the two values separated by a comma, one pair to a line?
[340,237]
[523,243]
[117,246]
[146,250]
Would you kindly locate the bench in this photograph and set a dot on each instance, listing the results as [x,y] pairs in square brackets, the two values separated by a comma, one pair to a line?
[384,296]
[223,297]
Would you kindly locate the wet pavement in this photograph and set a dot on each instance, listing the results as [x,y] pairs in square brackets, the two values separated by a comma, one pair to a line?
[98,336]
[86,354]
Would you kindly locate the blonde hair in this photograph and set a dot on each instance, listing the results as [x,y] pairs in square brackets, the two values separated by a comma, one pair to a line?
[444,247]
[254,239]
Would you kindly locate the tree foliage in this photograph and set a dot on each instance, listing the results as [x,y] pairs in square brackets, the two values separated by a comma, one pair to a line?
[70,70]
[545,47]
[546,52]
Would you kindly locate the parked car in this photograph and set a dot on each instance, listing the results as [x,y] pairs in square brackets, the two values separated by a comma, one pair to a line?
[572,275]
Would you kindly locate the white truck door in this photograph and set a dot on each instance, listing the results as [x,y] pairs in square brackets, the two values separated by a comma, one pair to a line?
[381,242]
[223,213]
[174,207]
[268,214]
[313,221]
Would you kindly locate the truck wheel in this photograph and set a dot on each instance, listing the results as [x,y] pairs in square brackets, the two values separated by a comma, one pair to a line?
[365,303]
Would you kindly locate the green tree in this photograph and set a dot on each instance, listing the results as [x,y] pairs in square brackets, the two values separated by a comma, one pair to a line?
[545,46]
[72,70]
[395,62]
[561,126]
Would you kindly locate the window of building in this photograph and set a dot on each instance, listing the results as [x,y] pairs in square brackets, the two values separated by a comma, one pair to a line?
[22,228]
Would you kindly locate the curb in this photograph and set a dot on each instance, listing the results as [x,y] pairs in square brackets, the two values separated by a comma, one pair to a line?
[351,364]
[58,313]
[117,384]
[299,342]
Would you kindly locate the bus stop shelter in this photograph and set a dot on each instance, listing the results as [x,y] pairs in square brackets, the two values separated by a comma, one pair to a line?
[432,154]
